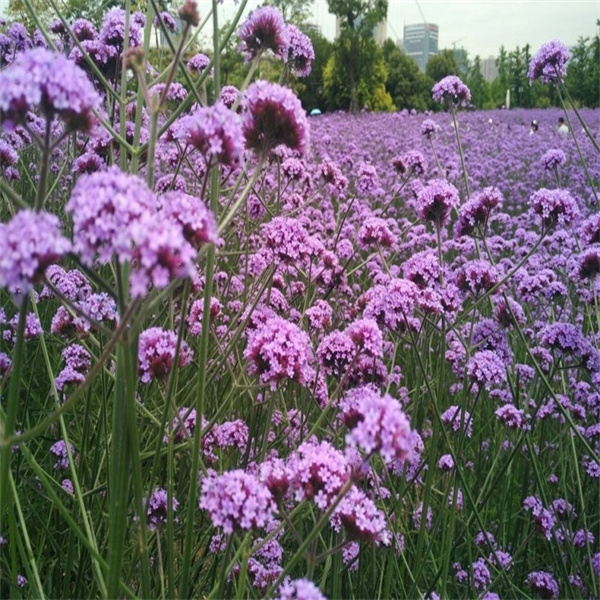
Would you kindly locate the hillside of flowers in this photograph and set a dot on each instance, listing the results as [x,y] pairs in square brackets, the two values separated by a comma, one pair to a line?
[247,353]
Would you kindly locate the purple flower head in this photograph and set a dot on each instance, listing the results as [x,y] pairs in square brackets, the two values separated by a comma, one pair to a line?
[216,132]
[476,276]
[446,462]
[191,213]
[451,90]
[279,350]
[332,175]
[335,352]
[367,337]
[554,206]
[375,231]
[475,212]
[361,519]
[436,200]
[393,304]
[318,472]
[230,96]
[553,159]
[45,79]
[299,589]
[286,240]
[104,205]
[156,353]
[158,508]
[198,63]
[458,419]
[274,116]
[5,365]
[29,243]
[237,500]
[300,53]
[21,581]
[19,37]
[167,20]
[84,30]
[112,32]
[409,163]
[263,30]
[59,449]
[543,583]
[428,128]
[160,254]
[588,263]
[512,417]
[550,63]
[377,424]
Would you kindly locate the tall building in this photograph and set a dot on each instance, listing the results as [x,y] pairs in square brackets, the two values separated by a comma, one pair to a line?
[421,42]
[489,69]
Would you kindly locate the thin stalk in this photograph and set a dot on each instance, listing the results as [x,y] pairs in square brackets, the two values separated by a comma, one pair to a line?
[44,169]
[460,152]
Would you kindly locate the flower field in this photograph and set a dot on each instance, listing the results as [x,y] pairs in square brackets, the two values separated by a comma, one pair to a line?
[249,353]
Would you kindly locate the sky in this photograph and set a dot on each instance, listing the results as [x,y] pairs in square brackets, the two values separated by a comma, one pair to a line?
[479,26]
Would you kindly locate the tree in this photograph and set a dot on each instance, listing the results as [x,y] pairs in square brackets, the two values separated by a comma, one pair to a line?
[357,18]
[407,86]
[480,88]
[370,76]
[583,72]
[441,65]
[296,12]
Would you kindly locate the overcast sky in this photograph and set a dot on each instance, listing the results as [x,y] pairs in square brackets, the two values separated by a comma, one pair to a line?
[480,26]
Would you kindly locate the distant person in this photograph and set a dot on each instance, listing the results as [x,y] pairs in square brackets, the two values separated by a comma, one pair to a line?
[562,128]
[534,127]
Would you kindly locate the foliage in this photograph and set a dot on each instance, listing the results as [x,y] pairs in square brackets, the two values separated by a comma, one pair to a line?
[297,12]
[583,74]
[406,84]
[357,21]
[442,64]
[480,88]
[370,72]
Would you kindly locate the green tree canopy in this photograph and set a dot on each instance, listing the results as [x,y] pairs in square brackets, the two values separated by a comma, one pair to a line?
[441,65]
[407,86]
[370,72]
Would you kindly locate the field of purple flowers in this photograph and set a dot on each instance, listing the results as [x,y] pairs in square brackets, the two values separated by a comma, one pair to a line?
[246,353]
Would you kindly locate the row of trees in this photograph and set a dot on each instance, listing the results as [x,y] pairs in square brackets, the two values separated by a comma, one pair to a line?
[354,72]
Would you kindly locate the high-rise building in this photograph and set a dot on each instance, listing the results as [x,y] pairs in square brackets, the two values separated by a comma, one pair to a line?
[421,42]
[489,69]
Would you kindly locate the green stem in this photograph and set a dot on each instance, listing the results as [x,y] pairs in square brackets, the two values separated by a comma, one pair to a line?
[44,169]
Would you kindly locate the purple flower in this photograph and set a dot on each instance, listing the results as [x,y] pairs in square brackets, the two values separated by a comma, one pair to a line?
[543,583]
[319,315]
[409,163]
[588,263]
[554,206]
[236,500]
[299,589]
[158,508]
[544,519]
[318,472]
[194,319]
[451,90]
[156,353]
[21,581]
[300,53]
[279,350]
[286,240]
[59,449]
[446,463]
[112,32]
[428,128]
[377,424]
[553,159]
[198,63]
[550,63]
[335,352]
[375,231]
[512,417]
[51,82]
[391,304]
[476,276]
[29,243]
[361,519]
[5,365]
[167,19]
[458,419]
[367,180]
[230,96]
[84,30]
[475,212]
[67,485]
[274,116]
[216,132]
[263,30]
[436,200]
[104,205]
